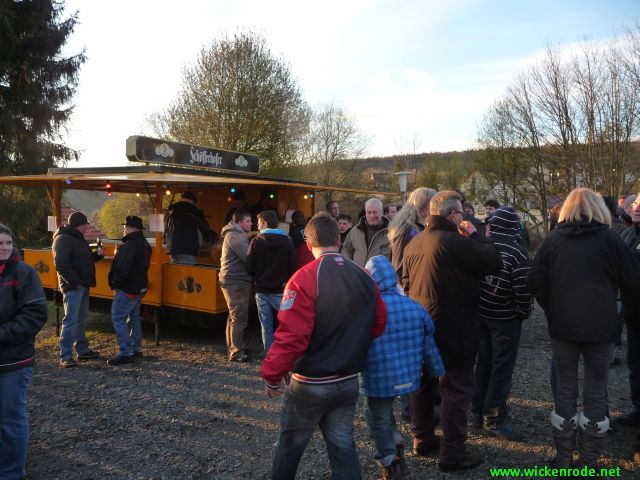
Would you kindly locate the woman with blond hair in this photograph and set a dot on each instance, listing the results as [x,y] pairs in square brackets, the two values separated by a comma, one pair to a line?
[575,277]
[407,223]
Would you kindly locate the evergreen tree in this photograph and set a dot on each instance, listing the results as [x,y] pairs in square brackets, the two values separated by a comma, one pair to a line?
[37,85]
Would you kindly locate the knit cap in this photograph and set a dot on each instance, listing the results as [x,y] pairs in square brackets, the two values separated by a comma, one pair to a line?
[76,219]
[505,220]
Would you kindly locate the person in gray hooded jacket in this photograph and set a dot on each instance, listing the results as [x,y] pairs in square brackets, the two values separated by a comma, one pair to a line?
[235,282]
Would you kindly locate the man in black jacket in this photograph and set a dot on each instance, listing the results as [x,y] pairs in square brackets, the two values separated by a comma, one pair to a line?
[631,236]
[184,226]
[75,265]
[441,269]
[128,277]
[271,260]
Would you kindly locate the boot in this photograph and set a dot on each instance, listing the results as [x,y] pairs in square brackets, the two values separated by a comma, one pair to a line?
[564,437]
[590,440]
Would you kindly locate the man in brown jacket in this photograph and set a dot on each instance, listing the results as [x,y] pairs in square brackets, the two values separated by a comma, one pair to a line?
[369,237]
[441,269]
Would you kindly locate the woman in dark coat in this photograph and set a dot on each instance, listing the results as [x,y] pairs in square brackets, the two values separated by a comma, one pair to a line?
[23,312]
[575,277]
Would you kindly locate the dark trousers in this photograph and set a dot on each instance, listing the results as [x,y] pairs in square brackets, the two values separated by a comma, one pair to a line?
[633,362]
[457,392]
[566,357]
[421,406]
[497,353]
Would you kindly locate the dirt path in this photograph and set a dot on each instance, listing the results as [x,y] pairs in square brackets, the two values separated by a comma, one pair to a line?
[185,413]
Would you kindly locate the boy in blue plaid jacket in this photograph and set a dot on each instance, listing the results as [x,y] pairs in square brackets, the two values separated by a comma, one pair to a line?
[394,365]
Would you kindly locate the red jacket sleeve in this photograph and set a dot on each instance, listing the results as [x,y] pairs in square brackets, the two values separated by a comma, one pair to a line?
[381,315]
[296,321]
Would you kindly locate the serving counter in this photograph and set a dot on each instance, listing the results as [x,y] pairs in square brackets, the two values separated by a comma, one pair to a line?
[192,287]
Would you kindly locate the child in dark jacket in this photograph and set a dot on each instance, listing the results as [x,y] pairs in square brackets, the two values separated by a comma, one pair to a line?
[394,365]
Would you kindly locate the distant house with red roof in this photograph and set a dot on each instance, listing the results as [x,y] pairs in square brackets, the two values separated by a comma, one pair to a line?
[92,231]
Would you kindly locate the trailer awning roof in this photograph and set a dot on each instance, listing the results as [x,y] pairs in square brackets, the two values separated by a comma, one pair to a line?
[139,179]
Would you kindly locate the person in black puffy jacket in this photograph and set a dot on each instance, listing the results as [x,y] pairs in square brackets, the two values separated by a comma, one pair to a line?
[575,277]
[185,229]
[128,277]
[271,260]
[75,264]
[23,312]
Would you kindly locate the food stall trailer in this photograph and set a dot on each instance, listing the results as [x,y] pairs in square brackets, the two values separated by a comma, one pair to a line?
[169,169]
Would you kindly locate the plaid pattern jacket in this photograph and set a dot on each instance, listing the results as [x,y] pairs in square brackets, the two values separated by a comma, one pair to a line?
[395,359]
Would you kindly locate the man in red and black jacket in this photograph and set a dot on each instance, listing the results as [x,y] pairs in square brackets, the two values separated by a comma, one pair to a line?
[331,311]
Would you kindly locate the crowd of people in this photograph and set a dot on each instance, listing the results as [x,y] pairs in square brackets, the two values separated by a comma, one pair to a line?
[422,301]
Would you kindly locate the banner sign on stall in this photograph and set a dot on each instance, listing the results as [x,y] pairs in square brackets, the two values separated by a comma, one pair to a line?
[153,150]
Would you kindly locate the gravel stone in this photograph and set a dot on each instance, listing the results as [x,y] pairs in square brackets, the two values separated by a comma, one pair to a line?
[184,412]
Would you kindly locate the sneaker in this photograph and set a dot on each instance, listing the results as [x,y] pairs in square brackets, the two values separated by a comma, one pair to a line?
[67,362]
[88,355]
[631,419]
[391,472]
[426,447]
[120,360]
[471,458]
[504,431]
[240,358]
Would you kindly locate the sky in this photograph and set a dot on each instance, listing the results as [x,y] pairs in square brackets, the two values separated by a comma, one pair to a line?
[416,75]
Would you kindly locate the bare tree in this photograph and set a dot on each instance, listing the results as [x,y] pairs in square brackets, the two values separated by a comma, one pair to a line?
[238,96]
[333,145]
[567,122]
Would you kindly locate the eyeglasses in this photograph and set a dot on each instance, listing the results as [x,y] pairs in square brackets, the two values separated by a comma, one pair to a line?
[457,211]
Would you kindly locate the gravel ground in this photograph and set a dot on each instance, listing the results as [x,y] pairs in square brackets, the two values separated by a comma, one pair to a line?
[185,413]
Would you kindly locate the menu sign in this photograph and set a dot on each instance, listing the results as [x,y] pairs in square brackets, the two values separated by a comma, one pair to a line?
[153,150]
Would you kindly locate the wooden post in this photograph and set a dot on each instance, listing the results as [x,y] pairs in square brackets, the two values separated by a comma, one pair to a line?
[157,209]
[157,259]
[55,195]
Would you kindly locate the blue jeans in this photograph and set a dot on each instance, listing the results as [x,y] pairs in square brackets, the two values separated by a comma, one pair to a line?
[125,315]
[76,310]
[331,407]
[268,307]
[14,424]
[382,428]
[184,259]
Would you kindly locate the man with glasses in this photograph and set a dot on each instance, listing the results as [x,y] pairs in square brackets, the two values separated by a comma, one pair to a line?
[441,269]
